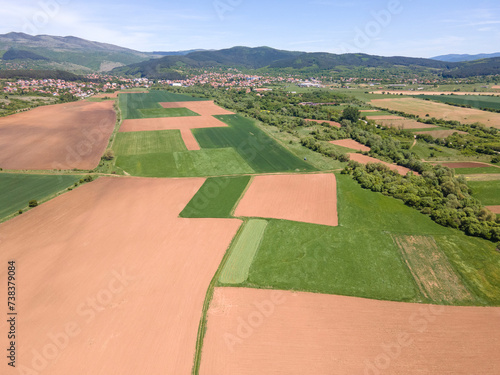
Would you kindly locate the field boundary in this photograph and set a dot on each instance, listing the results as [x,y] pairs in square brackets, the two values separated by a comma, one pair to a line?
[202,328]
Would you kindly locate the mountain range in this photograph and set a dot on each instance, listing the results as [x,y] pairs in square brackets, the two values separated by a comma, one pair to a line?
[460,58]
[23,51]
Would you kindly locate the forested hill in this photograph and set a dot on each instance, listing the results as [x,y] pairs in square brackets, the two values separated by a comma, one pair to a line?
[269,58]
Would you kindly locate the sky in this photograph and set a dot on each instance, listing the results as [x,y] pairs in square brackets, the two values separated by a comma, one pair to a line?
[415,28]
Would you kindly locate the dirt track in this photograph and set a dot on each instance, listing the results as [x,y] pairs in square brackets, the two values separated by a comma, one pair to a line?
[113,276]
[309,198]
[62,136]
[252,331]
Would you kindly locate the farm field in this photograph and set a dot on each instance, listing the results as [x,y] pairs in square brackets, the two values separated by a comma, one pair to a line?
[436,93]
[260,151]
[359,257]
[404,123]
[169,123]
[351,144]
[203,108]
[476,101]
[166,112]
[282,332]
[202,163]
[62,136]
[16,190]
[139,143]
[363,159]
[483,170]
[442,133]
[132,104]
[189,140]
[216,198]
[118,256]
[242,252]
[438,110]
[307,198]
[486,191]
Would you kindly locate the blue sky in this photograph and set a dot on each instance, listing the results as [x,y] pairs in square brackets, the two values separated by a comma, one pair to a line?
[418,28]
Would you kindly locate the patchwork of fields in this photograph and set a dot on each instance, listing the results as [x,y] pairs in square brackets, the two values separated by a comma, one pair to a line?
[229,254]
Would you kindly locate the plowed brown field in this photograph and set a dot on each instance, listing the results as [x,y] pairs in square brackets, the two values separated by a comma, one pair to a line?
[110,280]
[331,123]
[363,159]
[255,331]
[166,123]
[350,143]
[309,198]
[203,108]
[62,136]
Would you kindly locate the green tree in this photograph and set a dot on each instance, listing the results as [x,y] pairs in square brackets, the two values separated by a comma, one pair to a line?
[352,114]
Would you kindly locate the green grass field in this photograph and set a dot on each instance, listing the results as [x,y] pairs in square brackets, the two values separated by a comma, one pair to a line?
[242,252]
[202,163]
[359,257]
[216,198]
[166,112]
[481,170]
[260,151]
[488,192]
[148,142]
[475,101]
[16,190]
[132,104]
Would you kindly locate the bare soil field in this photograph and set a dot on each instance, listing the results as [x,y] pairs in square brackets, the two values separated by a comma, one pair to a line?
[466,165]
[110,279]
[62,136]
[309,198]
[203,108]
[166,123]
[255,331]
[441,133]
[494,209]
[398,92]
[363,159]
[439,110]
[189,140]
[431,269]
[350,143]
[332,123]
[404,123]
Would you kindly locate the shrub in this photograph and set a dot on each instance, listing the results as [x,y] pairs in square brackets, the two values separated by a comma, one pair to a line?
[33,203]
[20,212]
[109,154]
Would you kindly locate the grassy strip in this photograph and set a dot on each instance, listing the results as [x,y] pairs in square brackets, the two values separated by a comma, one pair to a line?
[166,112]
[216,198]
[16,190]
[236,269]
[481,170]
[488,192]
[202,328]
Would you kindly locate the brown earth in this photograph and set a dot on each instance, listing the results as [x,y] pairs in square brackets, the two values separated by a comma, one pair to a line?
[255,331]
[331,123]
[62,136]
[440,133]
[363,159]
[203,108]
[350,143]
[166,123]
[439,110]
[386,117]
[189,140]
[110,280]
[406,124]
[494,209]
[309,198]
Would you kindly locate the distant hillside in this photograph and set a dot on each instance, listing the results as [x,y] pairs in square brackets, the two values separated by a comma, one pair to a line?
[40,74]
[265,57]
[460,58]
[475,68]
[174,53]
[72,53]
[15,54]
